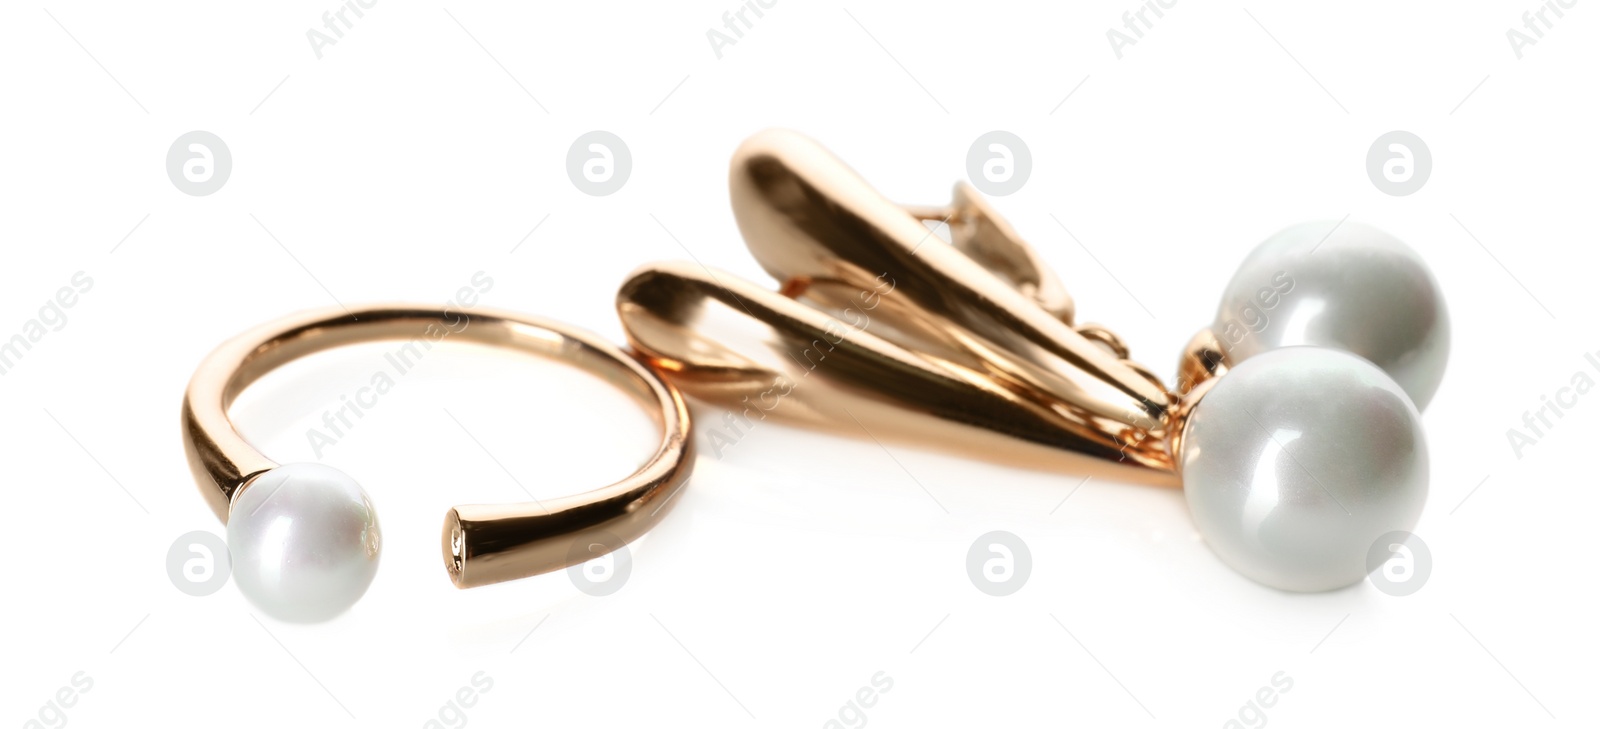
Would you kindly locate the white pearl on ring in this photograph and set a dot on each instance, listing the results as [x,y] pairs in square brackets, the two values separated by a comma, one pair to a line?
[304,542]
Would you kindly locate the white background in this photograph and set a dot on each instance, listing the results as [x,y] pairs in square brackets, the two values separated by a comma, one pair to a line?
[798,565]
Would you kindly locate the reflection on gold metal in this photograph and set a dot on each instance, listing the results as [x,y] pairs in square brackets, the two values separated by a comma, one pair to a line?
[1204,359]
[482,543]
[875,314]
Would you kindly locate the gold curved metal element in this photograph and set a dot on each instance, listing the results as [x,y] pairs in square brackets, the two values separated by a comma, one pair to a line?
[805,215]
[977,333]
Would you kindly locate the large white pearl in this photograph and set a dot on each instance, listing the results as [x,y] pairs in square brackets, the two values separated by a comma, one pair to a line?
[1360,290]
[304,542]
[1297,460]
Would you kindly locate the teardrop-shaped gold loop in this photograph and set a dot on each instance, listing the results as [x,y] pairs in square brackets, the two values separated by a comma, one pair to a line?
[807,217]
[876,316]
[759,353]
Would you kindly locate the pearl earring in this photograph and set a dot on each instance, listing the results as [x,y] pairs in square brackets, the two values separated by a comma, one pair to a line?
[1343,285]
[1331,338]
[1296,446]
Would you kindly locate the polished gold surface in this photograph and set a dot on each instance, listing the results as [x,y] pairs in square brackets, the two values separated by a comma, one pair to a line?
[758,353]
[805,215]
[985,237]
[1204,359]
[482,543]
[874,310]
